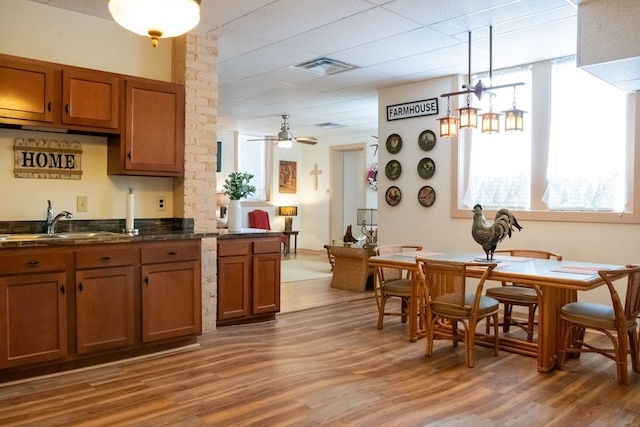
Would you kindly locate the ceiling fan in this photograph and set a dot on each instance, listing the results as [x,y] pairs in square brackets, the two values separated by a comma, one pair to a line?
[285,138]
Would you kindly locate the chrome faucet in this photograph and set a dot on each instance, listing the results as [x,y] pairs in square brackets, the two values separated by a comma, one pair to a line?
[52,221]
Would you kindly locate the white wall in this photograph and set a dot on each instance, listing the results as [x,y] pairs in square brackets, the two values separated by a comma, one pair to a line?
[433,227]
[32,30]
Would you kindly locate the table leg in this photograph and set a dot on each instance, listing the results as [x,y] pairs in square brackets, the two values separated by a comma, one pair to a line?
[295,243]
[551,328]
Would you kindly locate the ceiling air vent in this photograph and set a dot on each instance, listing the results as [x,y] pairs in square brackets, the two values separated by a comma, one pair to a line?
[325,66]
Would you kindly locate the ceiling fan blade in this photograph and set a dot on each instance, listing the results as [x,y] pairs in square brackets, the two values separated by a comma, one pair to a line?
[307,140]
[268,138]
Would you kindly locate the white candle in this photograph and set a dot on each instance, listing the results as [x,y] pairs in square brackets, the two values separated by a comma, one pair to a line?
[129,221]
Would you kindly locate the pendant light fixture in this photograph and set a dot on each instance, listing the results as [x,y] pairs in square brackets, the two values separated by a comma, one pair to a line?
[156,18]
[469,115]
[448,124]
[514,118]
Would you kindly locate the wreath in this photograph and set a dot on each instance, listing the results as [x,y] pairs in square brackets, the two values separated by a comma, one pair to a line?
[372,176]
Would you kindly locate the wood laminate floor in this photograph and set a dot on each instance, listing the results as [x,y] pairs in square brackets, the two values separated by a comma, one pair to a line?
[325,366]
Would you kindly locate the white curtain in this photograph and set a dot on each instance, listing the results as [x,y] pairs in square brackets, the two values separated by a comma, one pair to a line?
[587,148]
[252,158]
[500,163]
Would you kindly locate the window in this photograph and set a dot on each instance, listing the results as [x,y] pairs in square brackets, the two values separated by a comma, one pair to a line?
[252,158]
[500,163]
[587,144]
[572,157]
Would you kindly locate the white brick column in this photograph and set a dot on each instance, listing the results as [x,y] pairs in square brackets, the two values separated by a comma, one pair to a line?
[195,63]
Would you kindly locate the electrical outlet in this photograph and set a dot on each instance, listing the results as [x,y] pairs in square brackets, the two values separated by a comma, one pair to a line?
[161,204]
[82,204]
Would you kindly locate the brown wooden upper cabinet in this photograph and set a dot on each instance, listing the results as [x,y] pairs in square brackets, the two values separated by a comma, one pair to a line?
[152,139]
[36,93]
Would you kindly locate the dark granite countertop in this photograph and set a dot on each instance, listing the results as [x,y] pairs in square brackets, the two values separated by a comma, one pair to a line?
[110,231]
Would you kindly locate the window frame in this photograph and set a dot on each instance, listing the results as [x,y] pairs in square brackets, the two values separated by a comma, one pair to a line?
[540,136]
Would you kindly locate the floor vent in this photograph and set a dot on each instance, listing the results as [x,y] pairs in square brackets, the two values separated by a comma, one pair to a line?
[325,66]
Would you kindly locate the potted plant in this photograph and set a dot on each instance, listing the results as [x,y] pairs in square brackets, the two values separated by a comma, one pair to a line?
[237,186]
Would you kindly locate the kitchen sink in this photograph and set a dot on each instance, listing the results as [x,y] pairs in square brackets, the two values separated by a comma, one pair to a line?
[56,236]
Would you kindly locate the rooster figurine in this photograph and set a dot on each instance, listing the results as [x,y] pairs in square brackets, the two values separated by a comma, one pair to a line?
[489,235]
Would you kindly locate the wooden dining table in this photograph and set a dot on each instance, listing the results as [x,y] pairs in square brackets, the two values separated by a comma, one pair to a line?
[557,282]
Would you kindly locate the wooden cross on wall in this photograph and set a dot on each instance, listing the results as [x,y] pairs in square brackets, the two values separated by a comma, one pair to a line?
[315,172]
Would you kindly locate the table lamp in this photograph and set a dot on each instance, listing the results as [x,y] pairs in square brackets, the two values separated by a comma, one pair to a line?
[288,212]
[368,217]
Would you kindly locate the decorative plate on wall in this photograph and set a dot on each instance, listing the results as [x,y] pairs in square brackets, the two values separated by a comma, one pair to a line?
[427,196]
[426,168]
[393,169]
[393,196]
[394,143]
[427,140]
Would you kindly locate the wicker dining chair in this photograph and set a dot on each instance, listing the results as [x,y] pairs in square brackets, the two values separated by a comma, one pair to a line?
[617,321]
[448,304]
[512,294]
[393,283]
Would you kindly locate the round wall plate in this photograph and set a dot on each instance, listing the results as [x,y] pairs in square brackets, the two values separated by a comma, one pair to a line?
[426,168]
[426,196]
[427,140]
[394,143]
[393,169]
[393,195]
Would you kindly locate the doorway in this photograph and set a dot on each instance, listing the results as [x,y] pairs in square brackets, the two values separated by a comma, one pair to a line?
[348,193]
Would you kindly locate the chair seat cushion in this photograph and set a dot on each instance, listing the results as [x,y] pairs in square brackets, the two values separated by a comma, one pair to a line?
[514,294]
[592,315]
[443,306]
[398,287]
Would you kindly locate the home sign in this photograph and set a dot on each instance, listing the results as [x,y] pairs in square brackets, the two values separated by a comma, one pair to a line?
[48,159]
[425,107]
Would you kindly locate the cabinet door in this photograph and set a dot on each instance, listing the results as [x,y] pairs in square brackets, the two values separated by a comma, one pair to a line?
[153,140]
[233,287]
[104,309]
[33,325]
[90,98]
[171,300]
[266,283]
[26,91]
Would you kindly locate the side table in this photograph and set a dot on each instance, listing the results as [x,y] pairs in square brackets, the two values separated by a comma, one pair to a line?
[288,234]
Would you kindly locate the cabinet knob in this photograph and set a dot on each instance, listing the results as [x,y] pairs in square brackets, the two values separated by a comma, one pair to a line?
[80,286]
[49,106]
[129,155]
[146,280]
[106,258]
[33,262]
[66,108]
[172,253]
[62,289]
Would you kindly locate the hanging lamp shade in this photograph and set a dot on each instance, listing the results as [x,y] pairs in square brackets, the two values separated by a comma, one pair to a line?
[513,120]
[490,122]
[156,18]
[468,117]
[448,124]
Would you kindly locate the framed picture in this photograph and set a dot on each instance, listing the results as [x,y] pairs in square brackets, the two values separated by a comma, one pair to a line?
[287,177]
[393,196]
[427,196]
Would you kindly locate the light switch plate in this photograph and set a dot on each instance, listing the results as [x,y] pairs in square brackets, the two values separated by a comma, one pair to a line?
[82,204]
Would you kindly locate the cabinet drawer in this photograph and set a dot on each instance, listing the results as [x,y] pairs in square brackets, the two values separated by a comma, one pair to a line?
[170,252]
[105,256]
[234,247]
[32,262]
[266,245]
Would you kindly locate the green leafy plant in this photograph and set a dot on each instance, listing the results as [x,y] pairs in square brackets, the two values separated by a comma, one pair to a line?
[237,186]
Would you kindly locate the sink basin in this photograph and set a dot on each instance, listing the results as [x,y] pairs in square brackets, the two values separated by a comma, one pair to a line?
[56,236]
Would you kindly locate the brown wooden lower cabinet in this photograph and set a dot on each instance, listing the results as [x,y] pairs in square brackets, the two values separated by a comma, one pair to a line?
[248,280]
[66,307]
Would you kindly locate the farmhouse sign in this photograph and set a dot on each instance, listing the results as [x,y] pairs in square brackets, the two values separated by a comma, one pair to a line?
[425,107]
[47,159]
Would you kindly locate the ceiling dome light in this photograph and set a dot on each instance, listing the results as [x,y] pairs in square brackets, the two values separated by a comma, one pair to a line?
[156,18]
